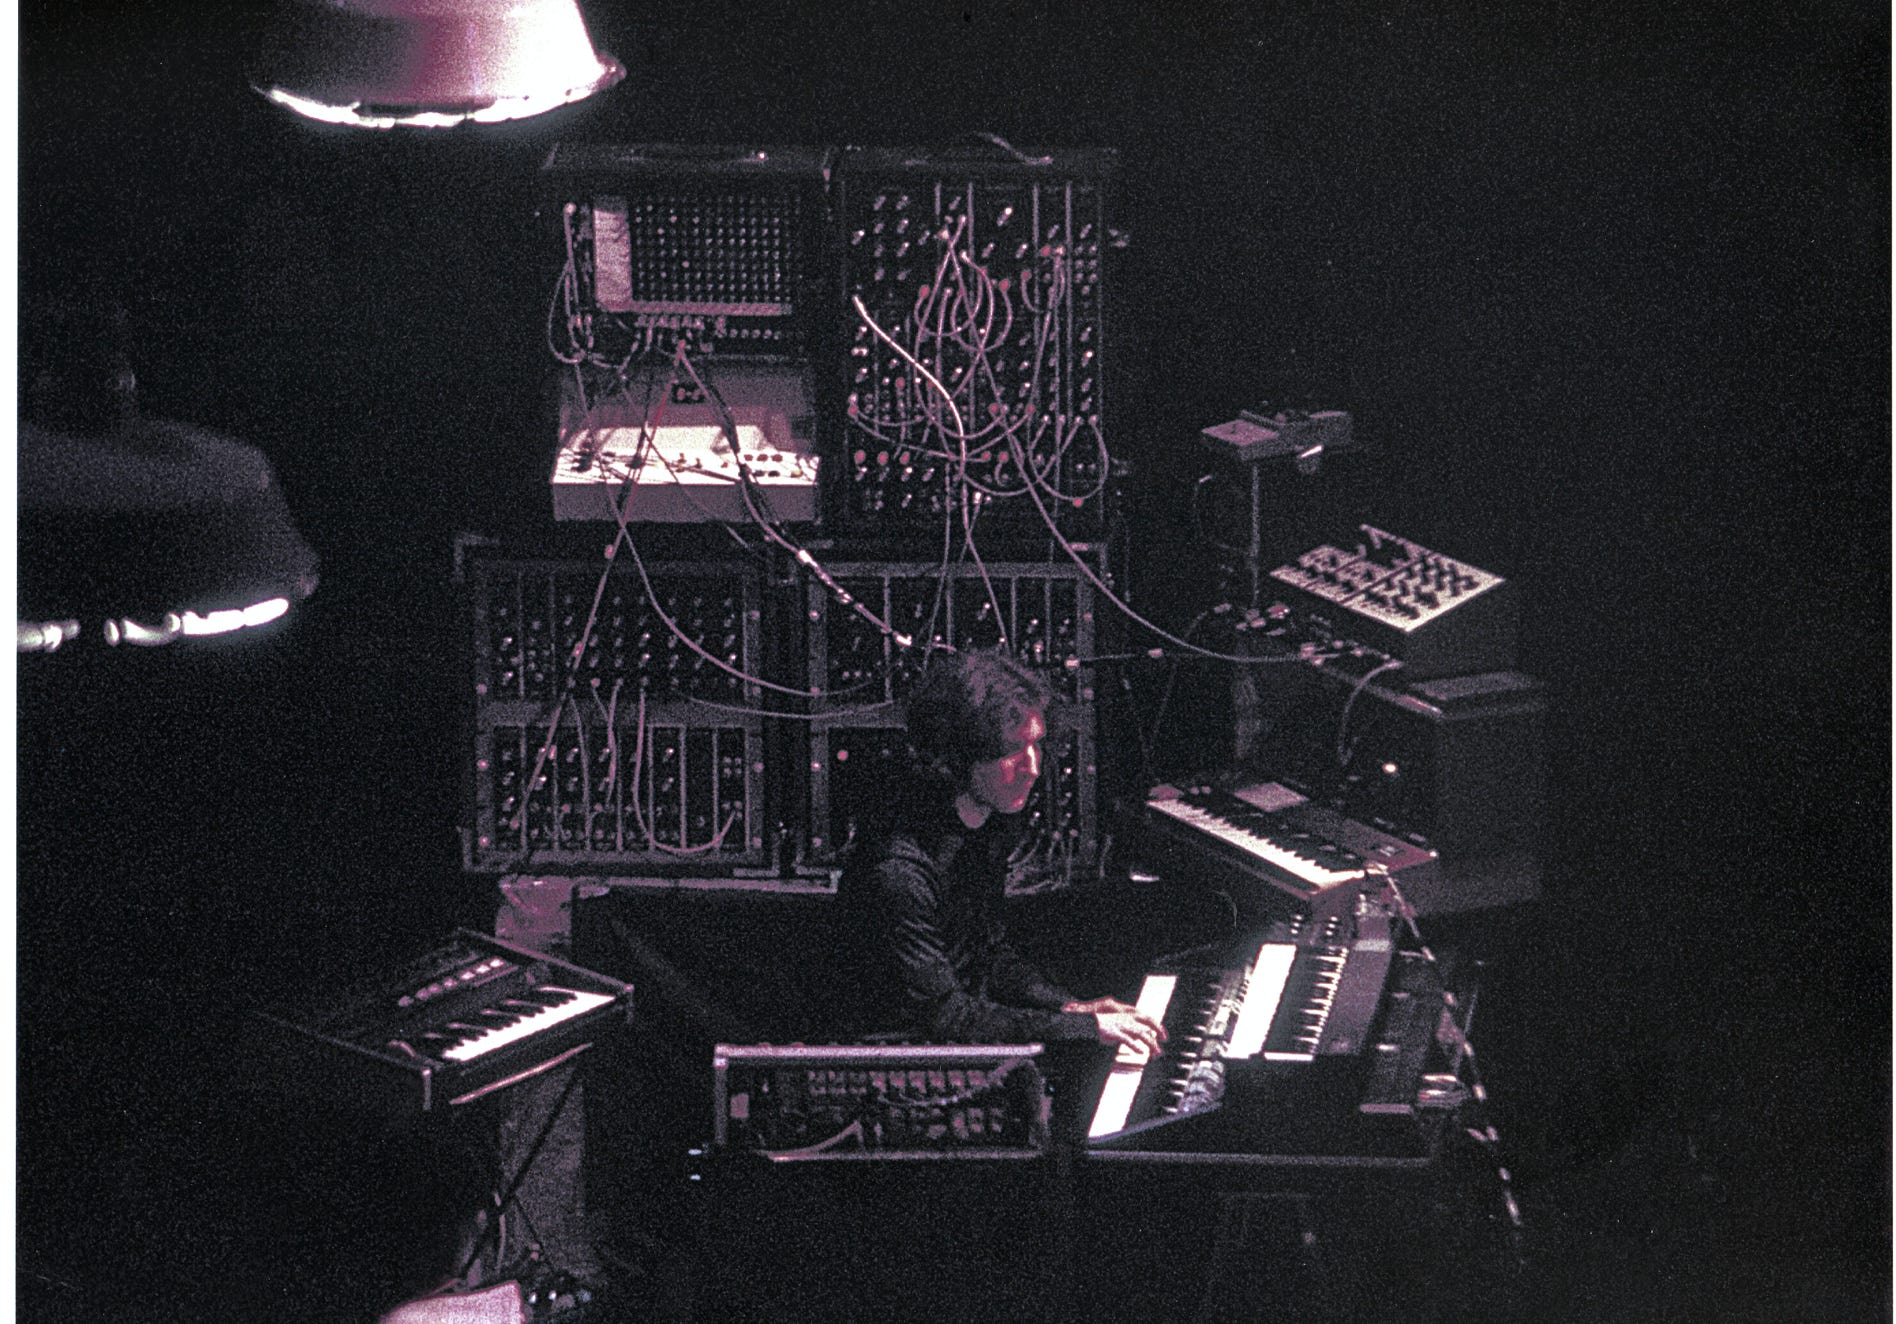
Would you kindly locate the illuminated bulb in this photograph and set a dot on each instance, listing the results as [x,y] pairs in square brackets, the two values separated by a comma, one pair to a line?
[223,622]
[45,636]
[380,64]
[179,625]
[129,631]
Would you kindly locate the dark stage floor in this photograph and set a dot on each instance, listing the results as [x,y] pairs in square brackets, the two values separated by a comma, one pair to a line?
[1684,1141]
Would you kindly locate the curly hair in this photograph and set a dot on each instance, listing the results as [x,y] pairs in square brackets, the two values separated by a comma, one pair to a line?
[968,706]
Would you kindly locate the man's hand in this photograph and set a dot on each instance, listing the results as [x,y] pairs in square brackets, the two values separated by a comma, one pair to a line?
[1123,1026]
[1094,1005]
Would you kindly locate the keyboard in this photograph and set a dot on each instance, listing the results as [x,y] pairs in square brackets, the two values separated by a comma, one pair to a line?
[1311,1042]
[511,1021]
[465,1019]
[1307,992]
[1272,842]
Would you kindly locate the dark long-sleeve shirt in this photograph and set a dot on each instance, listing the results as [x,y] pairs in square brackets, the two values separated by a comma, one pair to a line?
[921,943]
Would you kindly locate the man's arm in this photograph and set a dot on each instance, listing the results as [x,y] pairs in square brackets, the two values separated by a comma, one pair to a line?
[1115,1022]
[1015,980]
[937,1003]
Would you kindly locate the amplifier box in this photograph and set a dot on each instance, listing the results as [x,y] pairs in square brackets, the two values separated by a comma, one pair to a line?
[1459,761]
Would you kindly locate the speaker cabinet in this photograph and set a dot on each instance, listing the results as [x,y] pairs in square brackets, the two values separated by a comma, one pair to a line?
[1457,762]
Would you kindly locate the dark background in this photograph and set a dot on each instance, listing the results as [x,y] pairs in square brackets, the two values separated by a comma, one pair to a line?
[1609,297]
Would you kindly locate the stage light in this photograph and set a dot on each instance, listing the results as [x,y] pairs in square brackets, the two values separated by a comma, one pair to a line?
[129,631]
[233,618]
[132,529]
[383,64]
[45,636]
[155,530]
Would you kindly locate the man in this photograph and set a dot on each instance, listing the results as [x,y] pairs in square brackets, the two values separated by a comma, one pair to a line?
[922,944]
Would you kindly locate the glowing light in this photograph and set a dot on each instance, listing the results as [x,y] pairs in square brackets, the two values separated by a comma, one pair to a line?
[181,625]
[223,622]
[125,630]
[429,64]
[45,636]
[357,115]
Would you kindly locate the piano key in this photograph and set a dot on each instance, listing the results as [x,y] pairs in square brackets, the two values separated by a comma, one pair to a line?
[563,1004]
[1262,992]
[1155,995]
[1115,1101]
[1254,841]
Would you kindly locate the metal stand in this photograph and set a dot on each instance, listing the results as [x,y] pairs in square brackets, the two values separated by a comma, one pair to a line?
[508,1197]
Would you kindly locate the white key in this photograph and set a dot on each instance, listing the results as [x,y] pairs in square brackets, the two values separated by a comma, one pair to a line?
[1115,1102]
[1252,844]
[499,1038]
[1122,1082]
[1262,992]
[1155,995]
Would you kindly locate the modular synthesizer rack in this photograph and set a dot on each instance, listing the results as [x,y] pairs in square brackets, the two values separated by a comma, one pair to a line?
[685,718]
[972,292]
[614,725]
[1043,612]
[947,305]
[718,246]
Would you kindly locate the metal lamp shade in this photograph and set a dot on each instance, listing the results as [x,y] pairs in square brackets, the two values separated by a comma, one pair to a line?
[428,63]
[149,522]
